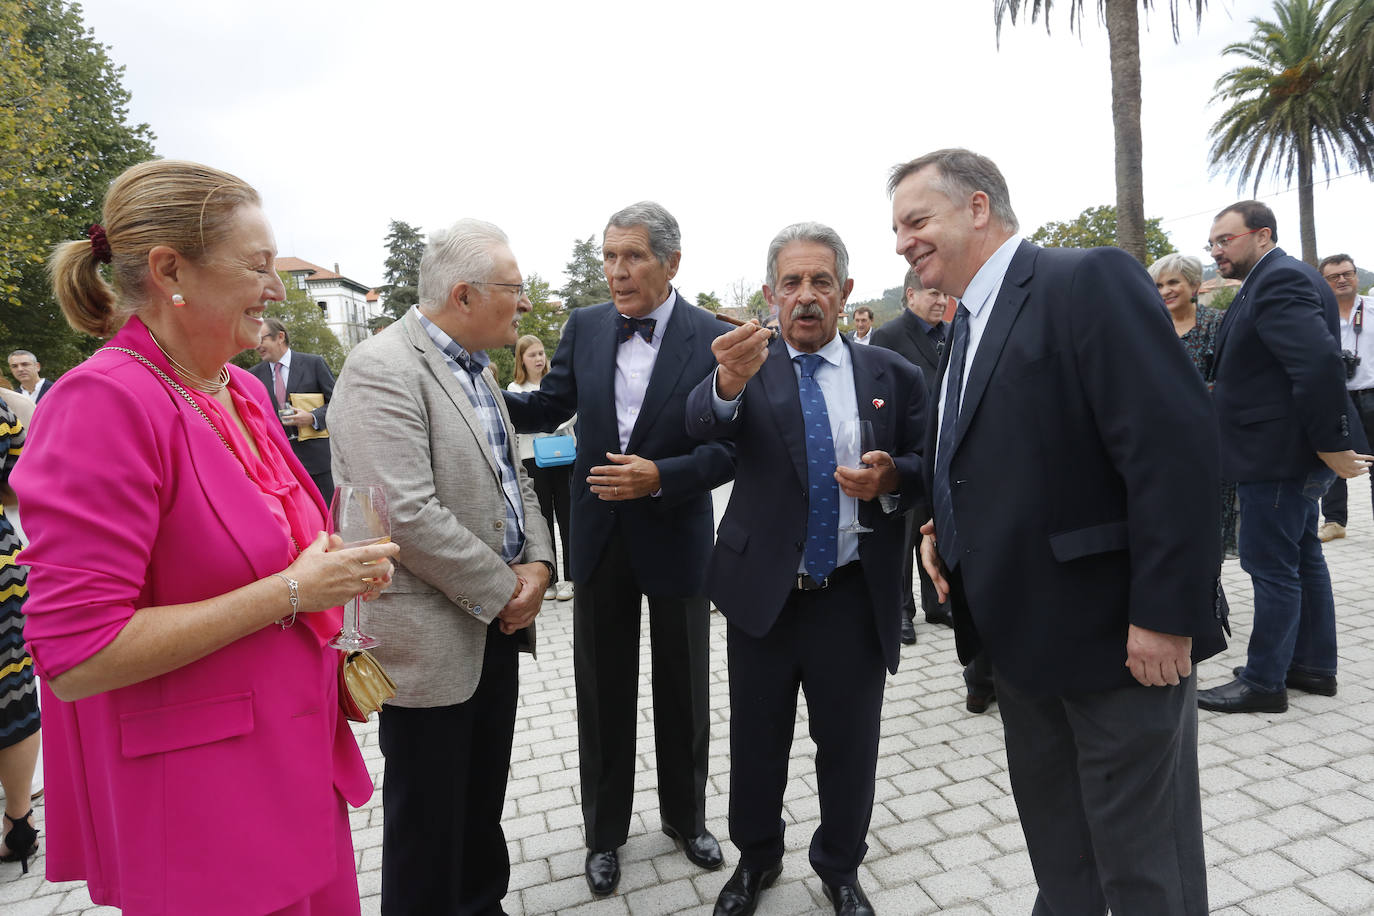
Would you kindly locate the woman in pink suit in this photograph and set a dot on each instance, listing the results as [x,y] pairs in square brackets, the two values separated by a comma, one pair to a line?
[181,589]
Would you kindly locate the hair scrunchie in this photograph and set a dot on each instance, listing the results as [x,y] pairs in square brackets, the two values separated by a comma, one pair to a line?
[100,245]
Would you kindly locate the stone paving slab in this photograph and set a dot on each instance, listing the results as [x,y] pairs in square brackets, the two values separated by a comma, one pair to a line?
[1288,800]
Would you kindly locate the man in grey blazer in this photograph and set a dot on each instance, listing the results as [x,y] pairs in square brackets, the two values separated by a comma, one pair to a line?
[417,411]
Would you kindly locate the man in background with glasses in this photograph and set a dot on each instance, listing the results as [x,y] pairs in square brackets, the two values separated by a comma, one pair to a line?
[1286,434]
[1339,271]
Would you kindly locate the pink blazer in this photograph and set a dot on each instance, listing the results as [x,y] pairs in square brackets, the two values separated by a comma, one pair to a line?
[214,788]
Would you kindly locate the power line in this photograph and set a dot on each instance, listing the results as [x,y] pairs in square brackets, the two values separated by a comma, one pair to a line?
[1175,219]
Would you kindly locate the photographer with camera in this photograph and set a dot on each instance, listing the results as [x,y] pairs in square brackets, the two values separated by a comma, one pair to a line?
[1339,271]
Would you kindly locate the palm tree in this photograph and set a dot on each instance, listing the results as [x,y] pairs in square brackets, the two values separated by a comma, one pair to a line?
[1286,108]
[1123,35]
[1355,72]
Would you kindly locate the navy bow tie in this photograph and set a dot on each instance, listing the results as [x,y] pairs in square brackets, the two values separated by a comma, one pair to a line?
[629,327]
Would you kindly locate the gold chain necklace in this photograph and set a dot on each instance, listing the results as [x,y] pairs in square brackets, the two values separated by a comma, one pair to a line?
[198,382]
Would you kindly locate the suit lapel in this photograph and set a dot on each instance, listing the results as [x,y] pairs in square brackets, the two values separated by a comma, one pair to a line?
[438,366]
[916,330]
[604,348]
[871,388]
[1231,315]
[673,352]
[784,401]
[1008,305]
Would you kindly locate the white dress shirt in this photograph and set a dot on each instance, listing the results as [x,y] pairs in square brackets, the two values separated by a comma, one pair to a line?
[634,366]
[979,298]
[1359,343]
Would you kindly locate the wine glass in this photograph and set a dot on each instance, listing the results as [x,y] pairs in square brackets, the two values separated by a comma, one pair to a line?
[359,517]
[855,437]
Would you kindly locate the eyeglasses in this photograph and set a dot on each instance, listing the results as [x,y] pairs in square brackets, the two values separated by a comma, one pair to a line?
[1225,240]
[1343,275]
[518,287]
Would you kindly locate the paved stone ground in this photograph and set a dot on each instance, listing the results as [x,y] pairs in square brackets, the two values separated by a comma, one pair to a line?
[1288,800]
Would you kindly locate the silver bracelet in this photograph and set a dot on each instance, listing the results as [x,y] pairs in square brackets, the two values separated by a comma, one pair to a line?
[295,599]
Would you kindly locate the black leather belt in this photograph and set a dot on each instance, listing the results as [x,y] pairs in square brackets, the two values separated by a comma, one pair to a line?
[807,583]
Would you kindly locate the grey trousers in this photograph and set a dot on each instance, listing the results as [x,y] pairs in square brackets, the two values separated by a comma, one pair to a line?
[1106,785]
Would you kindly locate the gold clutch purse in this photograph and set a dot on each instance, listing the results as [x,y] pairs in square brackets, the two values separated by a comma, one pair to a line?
[363,685]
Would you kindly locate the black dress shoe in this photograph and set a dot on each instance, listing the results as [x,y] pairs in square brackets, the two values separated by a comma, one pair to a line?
[702,851]
[908,631]
[979,702]
[603,872]
[1320,684]
[939,618]
[740,895]
[847,899]
[1239,696]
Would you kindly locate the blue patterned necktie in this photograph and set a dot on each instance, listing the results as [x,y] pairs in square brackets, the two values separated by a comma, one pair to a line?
[946,534]
[823,520]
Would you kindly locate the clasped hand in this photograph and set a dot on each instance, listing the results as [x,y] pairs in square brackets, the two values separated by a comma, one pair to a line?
[301,418]
[531,579]
[626,477]
[871,482]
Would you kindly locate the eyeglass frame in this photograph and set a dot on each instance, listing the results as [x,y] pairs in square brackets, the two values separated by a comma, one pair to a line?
[1223,242]
[1350,274]
[519,288]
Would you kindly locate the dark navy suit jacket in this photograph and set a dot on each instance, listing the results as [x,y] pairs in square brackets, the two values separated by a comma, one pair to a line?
[669,536]
[760,541]
[1084,477]
[1280,384]
[309,374]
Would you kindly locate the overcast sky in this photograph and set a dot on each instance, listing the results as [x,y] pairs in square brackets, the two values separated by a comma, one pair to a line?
[740,117]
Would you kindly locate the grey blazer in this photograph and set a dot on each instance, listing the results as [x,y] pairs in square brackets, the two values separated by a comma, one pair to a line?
[400,419]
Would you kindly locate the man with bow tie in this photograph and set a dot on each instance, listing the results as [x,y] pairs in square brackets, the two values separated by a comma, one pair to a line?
[641,528]
[811,601]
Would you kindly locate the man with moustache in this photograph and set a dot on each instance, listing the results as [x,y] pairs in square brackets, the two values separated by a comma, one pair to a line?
[918,334]
[641,520]
[1074,533]
[809,603]
[1338,270]
[418,411]
[1287,431]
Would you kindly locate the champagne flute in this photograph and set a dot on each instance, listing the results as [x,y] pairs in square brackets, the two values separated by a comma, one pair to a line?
[359,516]
[855,437]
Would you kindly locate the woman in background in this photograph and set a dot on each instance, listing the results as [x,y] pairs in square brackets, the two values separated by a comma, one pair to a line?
[1178,278]
[19,719]
[183,591]
[551,485]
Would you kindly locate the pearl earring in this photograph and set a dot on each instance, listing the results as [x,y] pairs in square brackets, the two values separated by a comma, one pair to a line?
[177,300]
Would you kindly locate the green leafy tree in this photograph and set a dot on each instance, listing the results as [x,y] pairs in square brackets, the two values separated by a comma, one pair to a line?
[758,306]
[544,320]
[64,135]
[1097,226]
[305,324]
[1122,18]
[709,301]
[404,248]
[1286,108]
[586,279]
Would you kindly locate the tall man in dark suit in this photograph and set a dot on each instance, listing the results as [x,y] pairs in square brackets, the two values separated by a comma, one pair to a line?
[809,603]
[286,372]
[918,334]
[1074,484]
[1287,430]
[641,520]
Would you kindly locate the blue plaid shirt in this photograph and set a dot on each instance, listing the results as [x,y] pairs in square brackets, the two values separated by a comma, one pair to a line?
[467,368]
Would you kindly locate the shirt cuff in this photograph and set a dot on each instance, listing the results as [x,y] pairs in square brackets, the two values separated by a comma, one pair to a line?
[724,410]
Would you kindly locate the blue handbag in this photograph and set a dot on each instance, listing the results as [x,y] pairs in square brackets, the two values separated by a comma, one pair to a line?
[554,451]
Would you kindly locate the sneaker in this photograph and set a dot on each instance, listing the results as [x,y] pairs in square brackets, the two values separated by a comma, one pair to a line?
[1330,531]
[549,593]
[565,591]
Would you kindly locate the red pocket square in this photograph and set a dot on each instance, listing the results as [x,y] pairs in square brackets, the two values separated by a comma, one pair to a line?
[878,403]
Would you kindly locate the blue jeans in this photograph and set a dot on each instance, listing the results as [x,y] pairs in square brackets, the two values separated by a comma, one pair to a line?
[1295,614]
